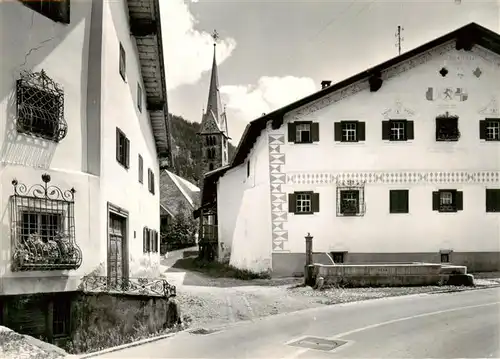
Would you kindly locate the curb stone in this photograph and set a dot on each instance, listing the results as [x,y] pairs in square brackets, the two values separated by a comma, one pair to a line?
[124,346]
[221,327]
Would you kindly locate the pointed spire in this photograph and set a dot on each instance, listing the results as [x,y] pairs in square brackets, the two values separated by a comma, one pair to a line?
[214,102]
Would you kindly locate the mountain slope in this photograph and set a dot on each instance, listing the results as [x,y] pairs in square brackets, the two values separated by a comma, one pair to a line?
[186,147]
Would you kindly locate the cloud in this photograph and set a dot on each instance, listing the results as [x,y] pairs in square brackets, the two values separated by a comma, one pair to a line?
[188,52]
[250,102]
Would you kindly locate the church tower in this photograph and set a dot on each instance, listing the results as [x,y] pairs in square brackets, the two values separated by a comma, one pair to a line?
[213,130]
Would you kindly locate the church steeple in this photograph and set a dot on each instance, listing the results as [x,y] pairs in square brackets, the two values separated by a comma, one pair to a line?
[213,129]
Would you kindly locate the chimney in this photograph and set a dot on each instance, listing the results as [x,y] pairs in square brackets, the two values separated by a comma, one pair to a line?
[325,84]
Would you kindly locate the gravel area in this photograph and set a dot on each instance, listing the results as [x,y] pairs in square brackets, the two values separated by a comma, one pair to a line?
[18,346]
[220,304]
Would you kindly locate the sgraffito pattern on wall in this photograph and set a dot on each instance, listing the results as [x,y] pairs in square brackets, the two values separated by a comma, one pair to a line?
[398,111]
[395,177]
[277,178]
[363,85]
[491,109]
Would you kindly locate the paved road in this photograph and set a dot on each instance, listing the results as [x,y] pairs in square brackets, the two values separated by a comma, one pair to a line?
[452,325]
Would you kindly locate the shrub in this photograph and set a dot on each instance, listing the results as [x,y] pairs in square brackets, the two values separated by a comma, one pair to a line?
[219,270]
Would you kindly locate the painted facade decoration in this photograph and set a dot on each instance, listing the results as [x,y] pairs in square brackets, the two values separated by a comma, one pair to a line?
[365,197]
[277,179]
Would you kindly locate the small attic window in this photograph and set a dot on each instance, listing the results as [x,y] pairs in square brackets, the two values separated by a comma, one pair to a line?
[248,168]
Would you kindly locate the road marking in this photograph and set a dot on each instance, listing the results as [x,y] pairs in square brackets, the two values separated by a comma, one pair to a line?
[368,327]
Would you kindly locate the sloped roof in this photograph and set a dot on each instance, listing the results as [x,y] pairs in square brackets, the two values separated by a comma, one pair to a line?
[466,36]
[190,192]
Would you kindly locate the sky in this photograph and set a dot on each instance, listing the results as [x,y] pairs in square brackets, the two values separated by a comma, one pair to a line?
[273,52]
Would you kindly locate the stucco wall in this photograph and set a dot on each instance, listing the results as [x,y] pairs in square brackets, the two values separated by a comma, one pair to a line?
[63,52]
[121,186]
[470,164]
[244,225]
[34,42]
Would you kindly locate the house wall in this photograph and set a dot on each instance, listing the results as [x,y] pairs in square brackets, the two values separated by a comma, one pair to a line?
[421,165]
[34,42]
[244,227]
[120,186]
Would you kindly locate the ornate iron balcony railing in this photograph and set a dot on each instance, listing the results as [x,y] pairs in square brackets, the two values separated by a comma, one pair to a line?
[132,286]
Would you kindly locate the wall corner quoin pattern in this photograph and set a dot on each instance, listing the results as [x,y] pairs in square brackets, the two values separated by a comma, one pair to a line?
[276,140]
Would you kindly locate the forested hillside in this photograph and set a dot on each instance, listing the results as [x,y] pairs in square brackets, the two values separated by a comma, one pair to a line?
[186,147]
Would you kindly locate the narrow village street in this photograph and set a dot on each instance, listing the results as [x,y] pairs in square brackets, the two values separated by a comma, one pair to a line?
[207,301]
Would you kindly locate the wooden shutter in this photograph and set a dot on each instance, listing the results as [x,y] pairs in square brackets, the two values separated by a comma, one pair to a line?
[291,132]
[410,130]
[291,203]
[145,240]
[360,129]
[315,132]
[127,152]
[435,201]
[141,169]
[315,202]
[386,130]
[152,182]
[337,131]
[492,200]
[118,144]
[459,200]
[482,129]
[358,205]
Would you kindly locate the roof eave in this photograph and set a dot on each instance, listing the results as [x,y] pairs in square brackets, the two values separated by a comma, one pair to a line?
[470,33]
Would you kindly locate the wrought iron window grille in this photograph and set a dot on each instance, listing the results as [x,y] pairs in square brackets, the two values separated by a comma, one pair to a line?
[447,128]
[40,107]
[43,227]
[131,286]
[349,209]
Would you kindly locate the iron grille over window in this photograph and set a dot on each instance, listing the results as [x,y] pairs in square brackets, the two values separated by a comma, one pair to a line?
[447,128]
[54,10]
[40,107]
[43,227]
[350,199]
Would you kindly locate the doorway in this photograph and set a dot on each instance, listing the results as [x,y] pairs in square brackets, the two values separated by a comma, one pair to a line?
[117,248]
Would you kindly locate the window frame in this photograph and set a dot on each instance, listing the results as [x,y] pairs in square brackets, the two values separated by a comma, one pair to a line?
[454,136]
[395,206]
[355,200]
[293,202]
[57,11]
[140,169]
[151,181]
[407,129]
[490,194]
[336,254]
[122,64]
[359,130]
[140,99]
[484,134]
[454,196]
[122,150]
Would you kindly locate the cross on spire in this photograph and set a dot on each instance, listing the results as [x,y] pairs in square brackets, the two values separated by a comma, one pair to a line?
[215,36]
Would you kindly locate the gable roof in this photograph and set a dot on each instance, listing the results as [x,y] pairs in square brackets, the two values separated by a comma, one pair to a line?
[188,190]
[466,36]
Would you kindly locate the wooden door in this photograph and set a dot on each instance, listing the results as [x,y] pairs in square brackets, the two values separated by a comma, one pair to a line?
[116,233]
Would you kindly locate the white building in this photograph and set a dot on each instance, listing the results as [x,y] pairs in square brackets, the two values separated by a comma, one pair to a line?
[399,163]
[83,107]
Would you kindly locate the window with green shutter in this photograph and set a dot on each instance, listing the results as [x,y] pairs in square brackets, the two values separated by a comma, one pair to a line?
[489,129]
[349,131]
[397,130]
[303,132]
[447,200]
[303,202]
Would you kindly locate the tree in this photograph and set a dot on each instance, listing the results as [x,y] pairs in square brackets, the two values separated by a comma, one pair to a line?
[181,232]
